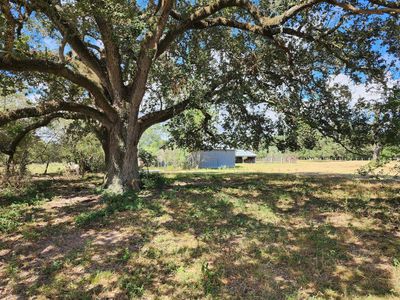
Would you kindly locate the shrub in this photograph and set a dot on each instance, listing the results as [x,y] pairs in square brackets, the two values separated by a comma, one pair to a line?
[152,181]
[147,158]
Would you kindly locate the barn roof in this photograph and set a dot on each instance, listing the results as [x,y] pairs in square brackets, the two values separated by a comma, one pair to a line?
[245,153]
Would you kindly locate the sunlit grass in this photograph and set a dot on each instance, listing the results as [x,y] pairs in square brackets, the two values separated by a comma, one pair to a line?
[54,168]
[301,166]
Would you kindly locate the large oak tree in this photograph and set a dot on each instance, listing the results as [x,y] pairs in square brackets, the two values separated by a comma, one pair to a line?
[128,65]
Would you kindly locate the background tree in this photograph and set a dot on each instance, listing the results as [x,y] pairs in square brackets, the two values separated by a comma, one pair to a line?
[81,145]
[129,65]
[154,139]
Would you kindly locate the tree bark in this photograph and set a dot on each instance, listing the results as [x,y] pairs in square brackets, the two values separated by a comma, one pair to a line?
[377,152]
[130,169]
[47,167]
[9,165]
[122,168]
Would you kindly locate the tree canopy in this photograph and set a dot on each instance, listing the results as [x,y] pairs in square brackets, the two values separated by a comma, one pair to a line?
[233,72]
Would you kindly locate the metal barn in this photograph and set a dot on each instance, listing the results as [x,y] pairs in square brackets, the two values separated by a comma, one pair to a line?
[245,156]
[214,159]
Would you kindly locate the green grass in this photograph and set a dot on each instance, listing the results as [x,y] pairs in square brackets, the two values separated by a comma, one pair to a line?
[112,204]
[54,168]
[17,205]
[217,235]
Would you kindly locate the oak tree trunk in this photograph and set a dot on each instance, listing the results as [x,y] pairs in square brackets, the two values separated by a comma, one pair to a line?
[122,169]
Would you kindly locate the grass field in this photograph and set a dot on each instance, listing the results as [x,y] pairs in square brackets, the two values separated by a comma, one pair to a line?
[276,231]
[301,167]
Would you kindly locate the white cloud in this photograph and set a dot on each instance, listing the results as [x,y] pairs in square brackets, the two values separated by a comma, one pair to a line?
[370,92]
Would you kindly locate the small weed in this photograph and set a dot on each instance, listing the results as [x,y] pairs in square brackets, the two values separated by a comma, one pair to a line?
[125,255]
[170,267]
[211,279]
[121,202]
[86,218]
[135,283]
[396,262]
[53,267]
[103,280]
[12,269]
[79,256]
[17,204]
[13,216]
[153,253]
[31,234]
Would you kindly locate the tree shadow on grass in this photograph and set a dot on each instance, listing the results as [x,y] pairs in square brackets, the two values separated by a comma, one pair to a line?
[241,236]
[285,258]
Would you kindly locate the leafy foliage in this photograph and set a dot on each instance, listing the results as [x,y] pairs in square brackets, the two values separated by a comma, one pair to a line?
[83,147]
[147,158]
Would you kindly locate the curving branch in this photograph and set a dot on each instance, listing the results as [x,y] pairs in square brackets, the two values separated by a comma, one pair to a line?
[11,148]
[389,8]
[208,10]
[386,3]
[262,25]
[53,107]
[200,19]
[72,36]
[163,115]
[288,14]
[208,23]
[59,69]
[146,55]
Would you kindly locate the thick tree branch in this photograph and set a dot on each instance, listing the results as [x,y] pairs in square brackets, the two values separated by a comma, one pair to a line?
[176,15]
[206,11]
[112,56]
[147,53]
[208,23]
[59,69]
[386,3]
[389,9]
[163,115]
[200,18]
[52,107]
[70,33]
[292,11]
[12,147]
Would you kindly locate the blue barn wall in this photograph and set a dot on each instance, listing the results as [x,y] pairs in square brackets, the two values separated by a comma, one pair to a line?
[215,159]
